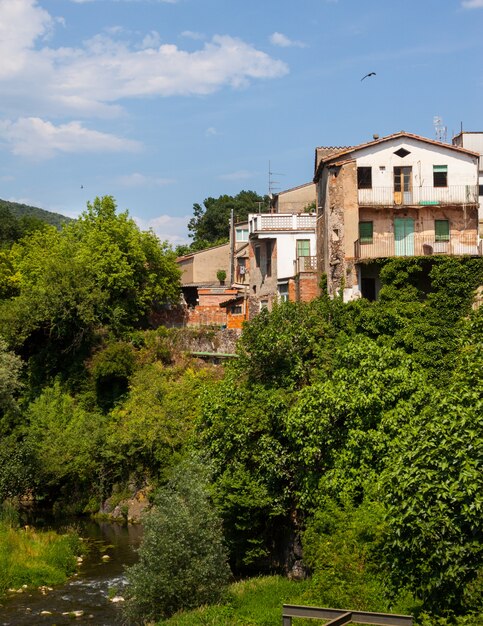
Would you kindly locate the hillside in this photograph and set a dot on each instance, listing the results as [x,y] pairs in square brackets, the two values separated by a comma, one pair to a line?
[24,210]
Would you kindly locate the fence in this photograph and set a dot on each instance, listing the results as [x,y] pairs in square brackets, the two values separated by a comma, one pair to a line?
[338,617]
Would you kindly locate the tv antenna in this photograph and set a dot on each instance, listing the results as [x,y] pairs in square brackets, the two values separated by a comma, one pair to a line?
[273,185]
[440,130]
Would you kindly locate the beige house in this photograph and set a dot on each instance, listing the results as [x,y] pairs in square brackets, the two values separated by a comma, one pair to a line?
[400,195]
[299,199]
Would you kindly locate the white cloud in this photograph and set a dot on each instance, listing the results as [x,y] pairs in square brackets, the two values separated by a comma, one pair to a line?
[92,79]
[167,227]
[211,132]
[238,175]
[472,4]
[151,40]
[281,40]
[38,139]
[140,180]
[189,34]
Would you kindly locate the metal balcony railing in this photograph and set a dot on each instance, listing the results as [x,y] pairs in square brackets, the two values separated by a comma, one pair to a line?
[418,244]
[281,222]
[305,264]
[419,196]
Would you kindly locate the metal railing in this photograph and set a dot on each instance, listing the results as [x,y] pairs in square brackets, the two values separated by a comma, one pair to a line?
[419,196]
[281,221]
[418,244]
[305,264]
[338,617]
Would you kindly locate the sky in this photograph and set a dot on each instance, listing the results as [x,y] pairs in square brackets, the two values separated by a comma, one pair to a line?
[163,103]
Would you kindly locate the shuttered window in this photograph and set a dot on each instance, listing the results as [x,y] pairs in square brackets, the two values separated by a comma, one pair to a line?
[441,230]
[366,231]
[440,175]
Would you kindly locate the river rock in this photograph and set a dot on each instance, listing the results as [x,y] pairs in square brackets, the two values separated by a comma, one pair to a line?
[117,599]
[105,557]
[45,612]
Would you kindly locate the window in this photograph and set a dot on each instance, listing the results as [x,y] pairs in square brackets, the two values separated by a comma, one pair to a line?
[364,178]
[480,190]
[303,247]
[402,152]
[268,262]
[441,230]
[241,268]
[283,292]
[257,256]
[440,175]
[366,232]
[263,304]
[241,234]
[236,309]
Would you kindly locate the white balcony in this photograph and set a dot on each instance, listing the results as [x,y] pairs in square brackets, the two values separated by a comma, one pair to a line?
[419,196]
[281,222]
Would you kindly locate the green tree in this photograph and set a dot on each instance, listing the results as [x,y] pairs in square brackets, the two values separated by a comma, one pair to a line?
[210,223]
[100,271]
[182,559]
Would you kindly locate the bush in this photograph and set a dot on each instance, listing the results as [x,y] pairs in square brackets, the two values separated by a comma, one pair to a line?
[182,559]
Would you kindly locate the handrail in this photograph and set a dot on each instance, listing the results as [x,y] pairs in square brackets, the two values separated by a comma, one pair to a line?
[338,617]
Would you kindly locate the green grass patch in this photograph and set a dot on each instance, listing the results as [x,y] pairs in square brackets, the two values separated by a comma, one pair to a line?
[253,602]
[30,557]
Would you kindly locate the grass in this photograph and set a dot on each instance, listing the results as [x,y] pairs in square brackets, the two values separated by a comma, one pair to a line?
[253,602]
[30,557]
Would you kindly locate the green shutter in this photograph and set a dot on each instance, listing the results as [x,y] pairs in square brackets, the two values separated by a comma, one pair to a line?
[303,247]
[441,230]
[366,232]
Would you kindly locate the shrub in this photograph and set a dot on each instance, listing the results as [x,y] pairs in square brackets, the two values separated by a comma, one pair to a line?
[183,562]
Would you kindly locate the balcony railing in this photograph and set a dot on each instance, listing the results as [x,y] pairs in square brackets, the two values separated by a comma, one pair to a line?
[281,222]
[418,244]
[305,264]
[419,196]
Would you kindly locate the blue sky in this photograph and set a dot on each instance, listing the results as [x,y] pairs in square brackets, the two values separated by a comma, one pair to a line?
[162,103]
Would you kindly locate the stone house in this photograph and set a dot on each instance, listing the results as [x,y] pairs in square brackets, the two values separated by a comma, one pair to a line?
[400,195]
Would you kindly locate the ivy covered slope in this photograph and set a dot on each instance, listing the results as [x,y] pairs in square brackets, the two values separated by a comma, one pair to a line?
[359,427]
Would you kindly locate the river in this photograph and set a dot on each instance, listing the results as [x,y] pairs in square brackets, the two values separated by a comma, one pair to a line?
[97,580]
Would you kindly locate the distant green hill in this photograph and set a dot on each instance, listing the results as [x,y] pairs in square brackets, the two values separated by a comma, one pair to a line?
[24,210]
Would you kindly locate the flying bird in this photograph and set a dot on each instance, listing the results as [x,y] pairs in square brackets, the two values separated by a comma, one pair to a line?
[367,75]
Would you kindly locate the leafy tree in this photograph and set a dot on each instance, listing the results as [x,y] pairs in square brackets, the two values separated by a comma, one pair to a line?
[433,487]
[10,384]
[210,224]
[182,559]
[100,271]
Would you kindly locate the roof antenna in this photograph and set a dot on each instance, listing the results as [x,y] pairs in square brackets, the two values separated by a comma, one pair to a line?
[440,131]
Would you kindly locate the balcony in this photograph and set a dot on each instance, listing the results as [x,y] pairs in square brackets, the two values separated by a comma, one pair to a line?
[418,244]
[305,264]
[263,222]
[419,196]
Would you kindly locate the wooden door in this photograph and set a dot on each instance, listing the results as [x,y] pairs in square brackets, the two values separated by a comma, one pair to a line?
[403,188]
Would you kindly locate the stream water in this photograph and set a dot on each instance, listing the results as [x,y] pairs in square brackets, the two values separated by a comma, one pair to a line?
[97,580]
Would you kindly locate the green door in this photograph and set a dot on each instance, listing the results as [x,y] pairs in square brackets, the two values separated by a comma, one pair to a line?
[403,236]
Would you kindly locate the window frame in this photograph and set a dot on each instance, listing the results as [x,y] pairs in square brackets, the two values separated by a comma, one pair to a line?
[442,236]
[298,247]
[245,232]
[366,239]
[364,177]
[440,176]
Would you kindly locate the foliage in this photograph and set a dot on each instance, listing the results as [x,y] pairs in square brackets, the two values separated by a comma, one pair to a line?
[147,432]
[30,557]
[433,487]
[210,224]
[340,549]
[66,441]
[254,602]
[25,212]
[100,271]
[10,384]
[221,275]
[111,370]
[182,560]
